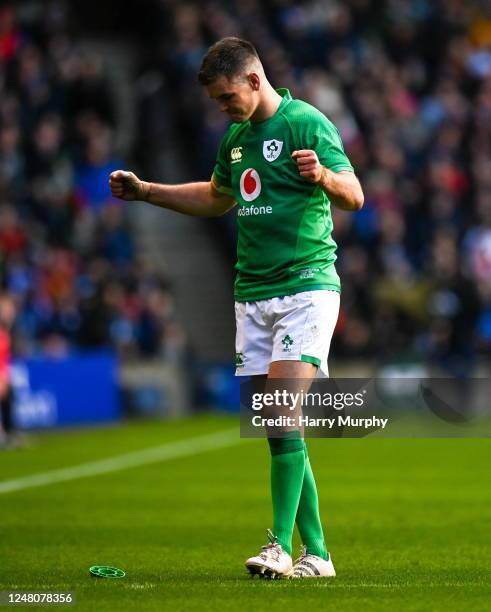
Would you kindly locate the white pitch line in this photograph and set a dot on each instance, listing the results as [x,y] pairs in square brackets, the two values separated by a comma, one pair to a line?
[165,452]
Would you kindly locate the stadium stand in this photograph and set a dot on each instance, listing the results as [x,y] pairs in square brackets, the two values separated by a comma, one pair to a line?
[408,83]
[67,250]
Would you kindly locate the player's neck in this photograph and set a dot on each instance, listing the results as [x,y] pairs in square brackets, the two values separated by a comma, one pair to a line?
[267,107]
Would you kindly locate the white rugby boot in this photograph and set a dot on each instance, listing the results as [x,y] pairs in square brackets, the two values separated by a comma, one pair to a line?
[272,562]
[311,566]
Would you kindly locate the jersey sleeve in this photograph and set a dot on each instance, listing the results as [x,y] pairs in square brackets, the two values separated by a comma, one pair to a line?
[221,178]
[322,136]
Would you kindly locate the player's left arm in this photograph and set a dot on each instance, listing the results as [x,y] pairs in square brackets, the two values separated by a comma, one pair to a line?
[342,188]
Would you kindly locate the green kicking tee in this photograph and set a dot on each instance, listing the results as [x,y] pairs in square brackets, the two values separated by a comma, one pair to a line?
[284,242]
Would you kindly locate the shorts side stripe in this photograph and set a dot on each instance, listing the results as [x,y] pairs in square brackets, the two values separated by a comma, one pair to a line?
[309,359]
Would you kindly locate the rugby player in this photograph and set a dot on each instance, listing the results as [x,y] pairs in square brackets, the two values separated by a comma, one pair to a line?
[282,163]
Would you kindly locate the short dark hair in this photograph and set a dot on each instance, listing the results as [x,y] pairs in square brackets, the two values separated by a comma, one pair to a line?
[228,57]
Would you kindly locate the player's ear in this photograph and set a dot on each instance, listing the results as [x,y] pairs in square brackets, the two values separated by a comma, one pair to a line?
[254,81]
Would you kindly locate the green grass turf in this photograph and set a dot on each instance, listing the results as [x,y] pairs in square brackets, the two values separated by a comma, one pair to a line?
[408,522]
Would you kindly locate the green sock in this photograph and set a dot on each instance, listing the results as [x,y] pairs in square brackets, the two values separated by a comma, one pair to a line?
[287,473]
[308,517]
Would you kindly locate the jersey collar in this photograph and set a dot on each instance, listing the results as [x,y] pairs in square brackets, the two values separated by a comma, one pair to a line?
[286,95]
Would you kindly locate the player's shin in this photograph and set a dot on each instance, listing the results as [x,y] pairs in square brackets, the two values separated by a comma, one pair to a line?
[287,475]
[308,516]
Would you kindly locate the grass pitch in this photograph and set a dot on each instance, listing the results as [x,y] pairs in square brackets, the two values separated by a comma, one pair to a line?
[407,522]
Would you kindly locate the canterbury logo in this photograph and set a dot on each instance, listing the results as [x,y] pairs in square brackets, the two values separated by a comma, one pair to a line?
[236,154]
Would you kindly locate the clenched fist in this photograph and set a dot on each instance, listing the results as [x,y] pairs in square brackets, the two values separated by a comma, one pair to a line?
[127,186]
[308,164]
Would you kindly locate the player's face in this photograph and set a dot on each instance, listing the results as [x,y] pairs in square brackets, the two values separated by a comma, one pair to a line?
[235,97]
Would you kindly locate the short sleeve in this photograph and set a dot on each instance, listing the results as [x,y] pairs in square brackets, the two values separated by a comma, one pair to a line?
[322,136]
[221,178]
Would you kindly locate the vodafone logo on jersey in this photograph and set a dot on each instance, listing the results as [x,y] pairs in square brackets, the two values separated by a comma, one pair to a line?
[250,185]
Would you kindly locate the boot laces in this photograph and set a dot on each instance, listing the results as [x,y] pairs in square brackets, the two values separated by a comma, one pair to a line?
[272,549]
[303,554]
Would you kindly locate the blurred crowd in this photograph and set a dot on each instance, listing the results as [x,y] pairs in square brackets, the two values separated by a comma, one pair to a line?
[67,252]
[408,83]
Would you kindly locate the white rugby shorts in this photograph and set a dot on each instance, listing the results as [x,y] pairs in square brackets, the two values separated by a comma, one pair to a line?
[295,327]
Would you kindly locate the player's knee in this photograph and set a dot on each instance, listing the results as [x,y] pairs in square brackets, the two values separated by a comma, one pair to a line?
[290,442]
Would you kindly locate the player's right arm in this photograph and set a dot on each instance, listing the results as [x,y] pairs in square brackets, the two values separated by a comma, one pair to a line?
[204,199]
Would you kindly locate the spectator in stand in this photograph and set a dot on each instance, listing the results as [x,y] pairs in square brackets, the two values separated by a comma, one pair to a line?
[7,318]
[91,175]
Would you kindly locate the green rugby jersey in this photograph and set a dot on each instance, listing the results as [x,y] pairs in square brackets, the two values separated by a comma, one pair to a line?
[284,222]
